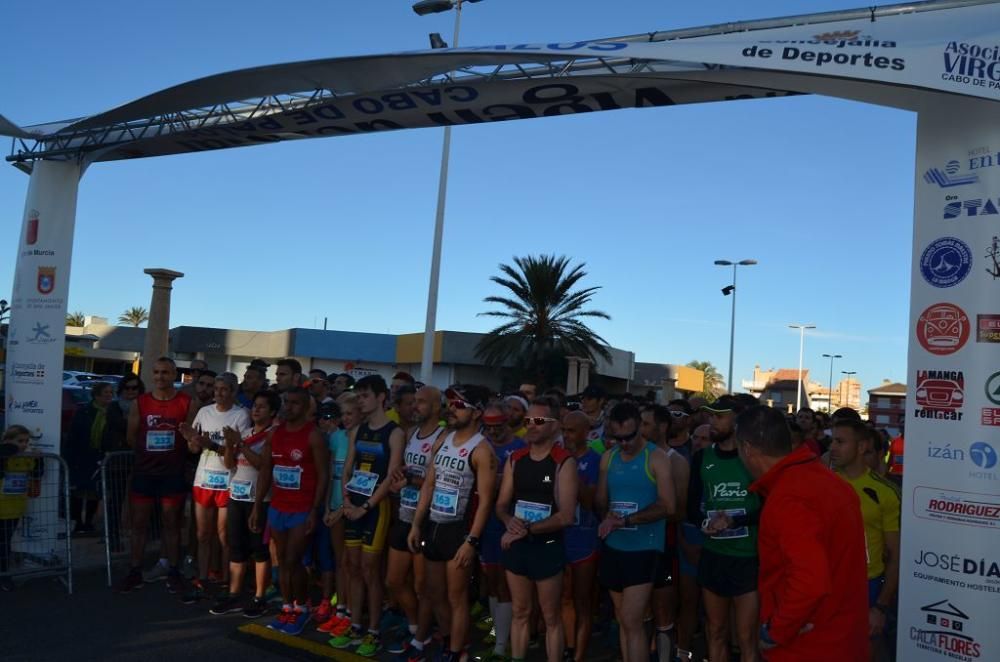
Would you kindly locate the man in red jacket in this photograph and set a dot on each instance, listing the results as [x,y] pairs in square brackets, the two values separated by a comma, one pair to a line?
[813,578]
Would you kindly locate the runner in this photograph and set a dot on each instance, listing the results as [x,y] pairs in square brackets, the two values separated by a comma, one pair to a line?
[320,554]
[635,491]
[690,552]
[254,381]
[497,430]
[880,508]
[806,418]
[399,380]
[204,387]
[581,540]
[342,383]
[375,453]
[593,401]
[537,501]
[680,427]
[319,387]
[158,474]
[405,576]
[405,408]
[720,503]
[294,471]
[518,409]
[243,456]
[463,466]
[287,375]
[211,480]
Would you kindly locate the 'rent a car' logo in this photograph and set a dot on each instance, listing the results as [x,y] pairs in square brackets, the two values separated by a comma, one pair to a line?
[943,329]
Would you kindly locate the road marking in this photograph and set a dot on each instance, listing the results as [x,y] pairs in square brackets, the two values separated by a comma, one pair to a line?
[312,647]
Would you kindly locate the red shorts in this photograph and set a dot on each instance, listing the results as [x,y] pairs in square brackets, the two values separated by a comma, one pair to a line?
[210,498]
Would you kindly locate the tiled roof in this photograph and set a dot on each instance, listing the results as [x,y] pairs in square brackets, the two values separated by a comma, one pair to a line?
[888,389]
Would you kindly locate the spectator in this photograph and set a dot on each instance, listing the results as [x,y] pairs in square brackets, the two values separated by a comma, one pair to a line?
[90,437]
[17,469]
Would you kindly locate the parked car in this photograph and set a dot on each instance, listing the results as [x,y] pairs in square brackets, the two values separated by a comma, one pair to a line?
[78,378]
[73,397]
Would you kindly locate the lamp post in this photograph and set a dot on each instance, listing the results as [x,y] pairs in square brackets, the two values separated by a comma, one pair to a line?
[849,374]
[726,291]
[802,340]
[423,8]
[829,402]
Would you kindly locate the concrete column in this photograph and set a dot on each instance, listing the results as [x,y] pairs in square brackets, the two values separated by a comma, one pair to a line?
[158,328]
[668,385]
[584,380]
[572,383]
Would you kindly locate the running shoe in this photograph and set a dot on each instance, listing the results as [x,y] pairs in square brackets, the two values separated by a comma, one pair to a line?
[398,644]
[174,582]
[157,573]
[131,582]
[281,620]
[412,654]
[196,593]
[335,621]
[256,608]
[297,621]
[272,595]
[490,638]
[352,637]
[228,603]
[490,655]
[323,613]
[215,577]
[485,624]
[370,645]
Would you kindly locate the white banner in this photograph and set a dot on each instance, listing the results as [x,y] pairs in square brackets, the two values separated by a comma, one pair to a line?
[950,571]
[36,337]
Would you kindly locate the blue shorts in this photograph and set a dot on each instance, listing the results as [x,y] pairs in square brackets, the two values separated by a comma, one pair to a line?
[581,544]
[874,588]
[321,549]
[489,546]
[693,536]
[280,521]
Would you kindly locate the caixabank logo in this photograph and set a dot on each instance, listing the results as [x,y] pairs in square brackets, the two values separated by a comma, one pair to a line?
[946,630]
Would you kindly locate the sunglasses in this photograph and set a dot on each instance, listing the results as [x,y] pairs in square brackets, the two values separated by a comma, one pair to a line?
[538,420]
[461,404]
[623,438]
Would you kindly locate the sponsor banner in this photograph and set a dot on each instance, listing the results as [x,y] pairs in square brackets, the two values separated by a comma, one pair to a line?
[36,335]
[949,576]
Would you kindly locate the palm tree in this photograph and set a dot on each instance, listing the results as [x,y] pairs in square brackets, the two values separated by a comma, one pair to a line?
[136,316]
[75,319]
[714,384]
[545,317]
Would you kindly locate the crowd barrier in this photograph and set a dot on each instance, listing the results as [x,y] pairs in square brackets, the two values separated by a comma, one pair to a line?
[34,519]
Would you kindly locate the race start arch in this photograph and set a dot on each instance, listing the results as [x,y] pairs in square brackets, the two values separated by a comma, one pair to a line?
[938,59]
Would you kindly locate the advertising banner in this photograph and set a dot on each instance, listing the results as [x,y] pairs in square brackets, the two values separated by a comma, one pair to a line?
[950,567]
[36,336]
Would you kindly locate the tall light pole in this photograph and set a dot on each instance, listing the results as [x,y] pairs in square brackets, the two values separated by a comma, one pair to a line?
[802,341]
[829,402]
[423,8]
[849,374]
[726,291]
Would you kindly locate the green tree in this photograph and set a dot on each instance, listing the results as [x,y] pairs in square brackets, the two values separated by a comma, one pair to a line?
[715,385]
[75,319]
[135,316]
[545,318]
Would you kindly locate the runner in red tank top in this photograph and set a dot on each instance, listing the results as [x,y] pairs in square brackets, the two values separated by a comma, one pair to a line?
[295,469]
[160,452]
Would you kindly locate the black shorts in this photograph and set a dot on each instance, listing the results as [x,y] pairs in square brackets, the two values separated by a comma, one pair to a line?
[370,531]
[244,544]
[669,569]
[170,489]
[617,570]
[535,559]
[727,576]
[398,533]
[441,541]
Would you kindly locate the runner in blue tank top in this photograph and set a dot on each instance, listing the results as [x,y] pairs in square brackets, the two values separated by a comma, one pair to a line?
[637,495]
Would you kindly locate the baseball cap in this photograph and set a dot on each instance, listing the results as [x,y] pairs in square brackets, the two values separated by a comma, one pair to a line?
[477,396]
[725,404]
[594,391]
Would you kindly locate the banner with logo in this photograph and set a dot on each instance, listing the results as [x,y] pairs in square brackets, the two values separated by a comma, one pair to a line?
[36,336]
[950,570]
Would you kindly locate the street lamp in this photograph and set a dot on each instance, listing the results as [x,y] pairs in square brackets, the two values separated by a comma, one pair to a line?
[829,402]
[423,8]
[726,291]
[802,340]
[849,373]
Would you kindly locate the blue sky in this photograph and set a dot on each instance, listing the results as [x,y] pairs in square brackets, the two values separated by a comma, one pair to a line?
[818,190]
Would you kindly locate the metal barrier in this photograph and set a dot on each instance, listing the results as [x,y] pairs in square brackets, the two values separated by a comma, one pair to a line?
[34,518]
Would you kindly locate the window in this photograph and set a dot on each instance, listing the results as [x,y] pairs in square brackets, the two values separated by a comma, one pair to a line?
[882,419]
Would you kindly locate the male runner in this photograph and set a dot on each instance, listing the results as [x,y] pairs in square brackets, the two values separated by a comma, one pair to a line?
[211,480]
[243,456]
[806,418]
[399,380]
[254,381]
[287,375]
[158,475]
[341,384]
[581,540]
[637,495]
[719,501]
[463,466]
[880,508]
[405,408]
[204,387]
[375,453]
[537,501]
[405,575]
[195,369]
[517,410]
[680,427]
[295,469]
[319,387]
[593,400]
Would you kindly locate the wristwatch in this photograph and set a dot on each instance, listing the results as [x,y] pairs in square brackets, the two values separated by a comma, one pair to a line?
[367,506]
[472,540]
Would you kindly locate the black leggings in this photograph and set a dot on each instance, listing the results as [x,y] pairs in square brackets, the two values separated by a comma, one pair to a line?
[7,527]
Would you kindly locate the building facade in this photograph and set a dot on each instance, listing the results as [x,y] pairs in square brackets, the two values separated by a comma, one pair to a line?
[887,406]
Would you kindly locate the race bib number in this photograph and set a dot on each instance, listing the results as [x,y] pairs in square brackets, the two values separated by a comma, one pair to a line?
[213,479]
[408,498]
[241,490]
[15,484]
[445,501]
[730,534]
[287,478]
[623,508]
[413,471]
[159,441]
[529,511]
[363,483]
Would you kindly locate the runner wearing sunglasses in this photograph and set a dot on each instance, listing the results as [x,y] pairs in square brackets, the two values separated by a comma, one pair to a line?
[441,528]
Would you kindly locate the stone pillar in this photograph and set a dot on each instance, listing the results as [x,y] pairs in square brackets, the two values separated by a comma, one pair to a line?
[158,328]
[584,380]
[571,375]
